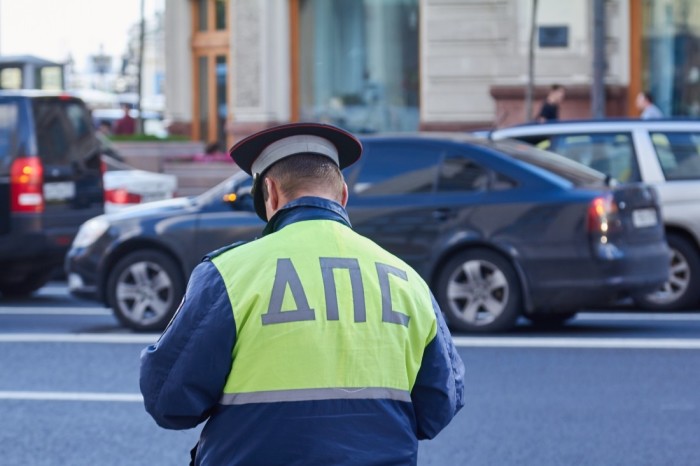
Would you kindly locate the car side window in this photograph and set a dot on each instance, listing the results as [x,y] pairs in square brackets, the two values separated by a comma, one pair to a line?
[678,154]
[389,168]
[460,174]
[8,130]
[610,153]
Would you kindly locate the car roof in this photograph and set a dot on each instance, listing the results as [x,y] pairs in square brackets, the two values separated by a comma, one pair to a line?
[456,137]
[35,93]
[608,124]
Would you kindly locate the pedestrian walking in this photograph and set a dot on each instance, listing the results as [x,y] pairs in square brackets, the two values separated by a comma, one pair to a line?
[126,124]
[549,111]
[645,103]
[311,345]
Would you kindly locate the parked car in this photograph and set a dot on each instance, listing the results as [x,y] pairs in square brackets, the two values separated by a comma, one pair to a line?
[663,153]
[50,183]
[126,186]
[497,229]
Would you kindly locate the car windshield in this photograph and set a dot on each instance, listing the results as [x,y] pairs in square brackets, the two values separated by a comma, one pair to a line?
[229,185]
[576,173]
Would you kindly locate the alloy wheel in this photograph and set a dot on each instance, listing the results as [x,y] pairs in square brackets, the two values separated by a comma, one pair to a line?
[144,292]
[678,281]
[478,292]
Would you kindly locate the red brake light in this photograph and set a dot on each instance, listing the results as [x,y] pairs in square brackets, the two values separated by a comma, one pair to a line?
[121,196]
[27,185]
[602,215]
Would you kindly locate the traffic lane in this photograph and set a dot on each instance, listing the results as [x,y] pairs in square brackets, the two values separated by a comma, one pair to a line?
[524,406]
[13,320]
[602,324]
[53,294]
[71,367]
[87,433]
[573,406]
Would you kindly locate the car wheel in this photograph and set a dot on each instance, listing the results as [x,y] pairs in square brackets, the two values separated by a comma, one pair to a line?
[478,290]
[26,287]
[682,290]
[550,320]
[144,289]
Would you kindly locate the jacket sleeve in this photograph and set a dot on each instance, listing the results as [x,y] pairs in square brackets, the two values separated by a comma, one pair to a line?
[438,393]
[183,374]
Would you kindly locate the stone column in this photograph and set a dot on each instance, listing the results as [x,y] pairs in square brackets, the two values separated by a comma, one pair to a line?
[260,65]
[178,66]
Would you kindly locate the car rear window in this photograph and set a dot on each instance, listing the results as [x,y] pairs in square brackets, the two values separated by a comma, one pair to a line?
[574,172]
[9,116]
[611,153]
[64,131]
[678,153]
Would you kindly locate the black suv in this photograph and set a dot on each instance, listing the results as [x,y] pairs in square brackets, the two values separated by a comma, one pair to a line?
[50,183]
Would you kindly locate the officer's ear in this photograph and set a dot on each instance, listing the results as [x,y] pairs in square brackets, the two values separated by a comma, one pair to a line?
[344,196]
[271,194]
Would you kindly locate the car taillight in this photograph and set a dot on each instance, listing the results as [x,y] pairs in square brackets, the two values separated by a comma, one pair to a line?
[121,196]
[603,215]
[26,185]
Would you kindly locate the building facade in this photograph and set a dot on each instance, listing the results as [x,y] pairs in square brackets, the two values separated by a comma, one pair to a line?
[237,66]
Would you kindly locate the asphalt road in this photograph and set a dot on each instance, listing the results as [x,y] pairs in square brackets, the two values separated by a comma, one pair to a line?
[610,388]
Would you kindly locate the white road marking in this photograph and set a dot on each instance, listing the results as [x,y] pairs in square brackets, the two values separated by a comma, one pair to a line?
[554,342]
[55,311]
[72,396]
[109,338]
[461,341]
[637,316]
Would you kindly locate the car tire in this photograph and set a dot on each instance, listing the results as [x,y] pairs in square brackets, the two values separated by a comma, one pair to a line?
[682,290]
[479,291]
[26,287]
[144,290]
[550,320]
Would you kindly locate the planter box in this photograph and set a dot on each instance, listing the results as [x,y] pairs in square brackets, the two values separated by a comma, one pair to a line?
[177,158]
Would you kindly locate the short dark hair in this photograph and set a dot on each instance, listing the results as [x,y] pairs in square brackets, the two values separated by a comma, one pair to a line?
[556,87]
[648,96]
[306,171]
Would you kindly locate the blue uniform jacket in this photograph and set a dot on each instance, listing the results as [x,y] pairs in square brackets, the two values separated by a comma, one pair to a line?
[183,375]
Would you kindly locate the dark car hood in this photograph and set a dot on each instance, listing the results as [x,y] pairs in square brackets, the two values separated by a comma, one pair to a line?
[158,208]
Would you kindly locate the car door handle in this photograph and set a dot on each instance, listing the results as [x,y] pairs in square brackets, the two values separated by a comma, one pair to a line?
[442,214]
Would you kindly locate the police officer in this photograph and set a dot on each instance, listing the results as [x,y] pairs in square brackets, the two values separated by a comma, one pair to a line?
[310,345]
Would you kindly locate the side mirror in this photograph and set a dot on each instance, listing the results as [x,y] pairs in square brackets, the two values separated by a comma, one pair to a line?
[241,200]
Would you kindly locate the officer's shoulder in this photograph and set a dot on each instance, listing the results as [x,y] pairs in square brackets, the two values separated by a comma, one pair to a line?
[217,252]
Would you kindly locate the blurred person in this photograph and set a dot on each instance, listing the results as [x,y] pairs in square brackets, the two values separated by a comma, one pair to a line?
[126,124]
[645,103]
[312,344]
[105,128]
[550,107]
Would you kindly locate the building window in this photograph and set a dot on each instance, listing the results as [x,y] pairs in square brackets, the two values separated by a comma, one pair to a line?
[220,15]
[202,14]
[671,55]
[358,63]
[203,94]
[210,48]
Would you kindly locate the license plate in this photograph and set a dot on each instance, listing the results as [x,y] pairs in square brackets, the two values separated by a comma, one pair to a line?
[60,191]
[642,218]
